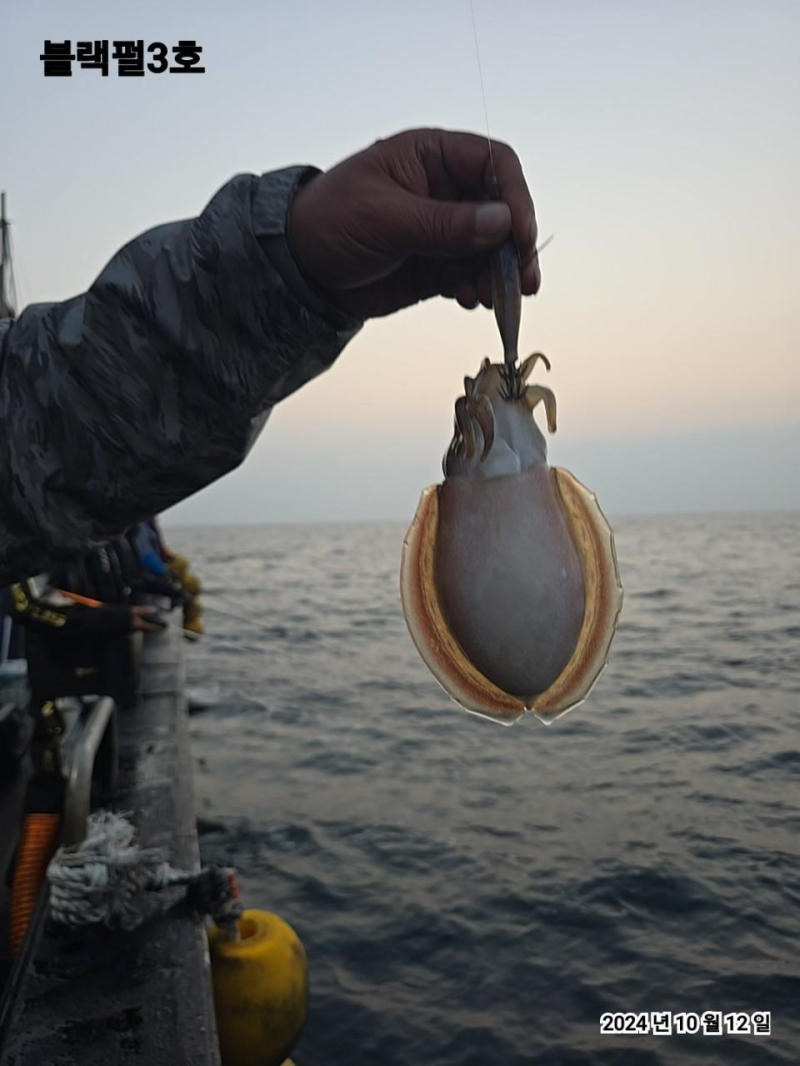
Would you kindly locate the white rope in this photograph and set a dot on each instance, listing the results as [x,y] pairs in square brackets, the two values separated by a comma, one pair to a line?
[107,877]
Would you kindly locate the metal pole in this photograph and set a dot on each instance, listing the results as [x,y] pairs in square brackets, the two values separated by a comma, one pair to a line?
[2,254]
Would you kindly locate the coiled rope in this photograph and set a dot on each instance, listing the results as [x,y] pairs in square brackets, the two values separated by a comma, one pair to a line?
[107,879]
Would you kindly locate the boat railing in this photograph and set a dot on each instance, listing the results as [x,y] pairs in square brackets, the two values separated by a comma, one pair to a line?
[94,747]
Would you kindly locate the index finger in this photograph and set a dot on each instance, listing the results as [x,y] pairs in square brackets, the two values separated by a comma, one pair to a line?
[468,162]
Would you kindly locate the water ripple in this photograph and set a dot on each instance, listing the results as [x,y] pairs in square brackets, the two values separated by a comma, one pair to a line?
[469,894]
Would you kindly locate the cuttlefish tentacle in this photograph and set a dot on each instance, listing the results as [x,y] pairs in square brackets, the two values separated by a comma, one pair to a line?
[452,450]
[464,423]
[484,416]
[527,365]
[535,394]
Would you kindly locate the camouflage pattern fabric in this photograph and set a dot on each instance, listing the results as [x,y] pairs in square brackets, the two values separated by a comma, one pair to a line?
[119,403]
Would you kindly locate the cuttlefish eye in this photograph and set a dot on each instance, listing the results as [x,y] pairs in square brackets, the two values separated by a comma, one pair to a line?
[509,579]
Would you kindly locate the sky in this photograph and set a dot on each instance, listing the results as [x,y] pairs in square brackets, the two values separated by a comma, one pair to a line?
[662,146]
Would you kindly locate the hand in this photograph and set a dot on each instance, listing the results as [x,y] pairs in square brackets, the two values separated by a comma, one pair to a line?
[408,218]
[141,620]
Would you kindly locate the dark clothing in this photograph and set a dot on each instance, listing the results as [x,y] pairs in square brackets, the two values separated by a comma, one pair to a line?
[120,402]
[41,609]
[146,543]
[15,723]
[12,645]
[145,538]
[73,650]
[101,575]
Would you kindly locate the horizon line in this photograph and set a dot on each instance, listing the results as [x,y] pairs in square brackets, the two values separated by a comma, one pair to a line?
[392,521]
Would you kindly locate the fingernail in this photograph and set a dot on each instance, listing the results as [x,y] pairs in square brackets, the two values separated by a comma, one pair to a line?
[492,223]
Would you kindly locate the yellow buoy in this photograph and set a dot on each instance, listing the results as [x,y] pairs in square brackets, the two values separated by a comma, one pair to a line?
[260,990]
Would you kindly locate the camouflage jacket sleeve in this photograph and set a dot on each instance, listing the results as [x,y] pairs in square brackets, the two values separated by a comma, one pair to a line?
[122,401]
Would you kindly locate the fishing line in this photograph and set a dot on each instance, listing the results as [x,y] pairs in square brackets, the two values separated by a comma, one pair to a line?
[205,593]
[238,617]
[194,638]
[483,97]
[539,247]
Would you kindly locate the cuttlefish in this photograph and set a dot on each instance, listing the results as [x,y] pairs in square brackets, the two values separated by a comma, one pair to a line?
[509,579]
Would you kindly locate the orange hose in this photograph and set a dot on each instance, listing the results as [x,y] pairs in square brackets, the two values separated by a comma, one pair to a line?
[36,847]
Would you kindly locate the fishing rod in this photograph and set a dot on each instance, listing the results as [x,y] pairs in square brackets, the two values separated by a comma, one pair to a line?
[87,601]
[163,623]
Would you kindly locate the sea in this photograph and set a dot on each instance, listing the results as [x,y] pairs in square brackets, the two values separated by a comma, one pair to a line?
[608,889]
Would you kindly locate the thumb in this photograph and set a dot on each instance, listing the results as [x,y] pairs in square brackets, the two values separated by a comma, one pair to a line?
[444,227]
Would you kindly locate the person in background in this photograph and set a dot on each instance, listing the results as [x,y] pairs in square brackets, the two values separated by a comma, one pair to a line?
[190,584]
[161,564]
[76,644]
[120,402]
[73,649]
[145,538]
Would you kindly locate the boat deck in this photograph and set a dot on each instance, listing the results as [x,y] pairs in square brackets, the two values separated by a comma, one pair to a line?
[107,998]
